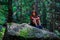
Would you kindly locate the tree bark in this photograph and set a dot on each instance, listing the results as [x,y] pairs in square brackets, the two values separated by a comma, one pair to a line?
[9,17]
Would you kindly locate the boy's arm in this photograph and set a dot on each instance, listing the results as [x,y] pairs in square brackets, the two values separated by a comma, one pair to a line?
[39,21]
[35,22]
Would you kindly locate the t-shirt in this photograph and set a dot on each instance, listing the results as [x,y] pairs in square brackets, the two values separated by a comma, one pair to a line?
[36,18]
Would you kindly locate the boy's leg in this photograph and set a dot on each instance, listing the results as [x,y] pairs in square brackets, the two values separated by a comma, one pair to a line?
[40,27]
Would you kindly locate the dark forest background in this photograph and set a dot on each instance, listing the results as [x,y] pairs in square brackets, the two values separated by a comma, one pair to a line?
[19,11]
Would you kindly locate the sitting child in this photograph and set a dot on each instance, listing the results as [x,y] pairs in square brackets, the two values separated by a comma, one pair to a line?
[35,20]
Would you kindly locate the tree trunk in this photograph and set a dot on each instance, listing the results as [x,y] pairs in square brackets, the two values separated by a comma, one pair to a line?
[9,17]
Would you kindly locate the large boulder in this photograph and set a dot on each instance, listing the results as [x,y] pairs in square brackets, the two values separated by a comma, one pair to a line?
[28,31]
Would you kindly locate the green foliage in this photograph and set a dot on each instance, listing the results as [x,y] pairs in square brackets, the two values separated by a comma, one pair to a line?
[4,0]
[3,14]
[22,10]
[57,32]
[2,33]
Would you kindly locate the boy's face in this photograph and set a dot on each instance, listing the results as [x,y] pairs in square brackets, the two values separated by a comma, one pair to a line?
[34,14]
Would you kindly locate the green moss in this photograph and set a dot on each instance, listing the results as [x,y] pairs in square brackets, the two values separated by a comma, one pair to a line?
[24,32]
